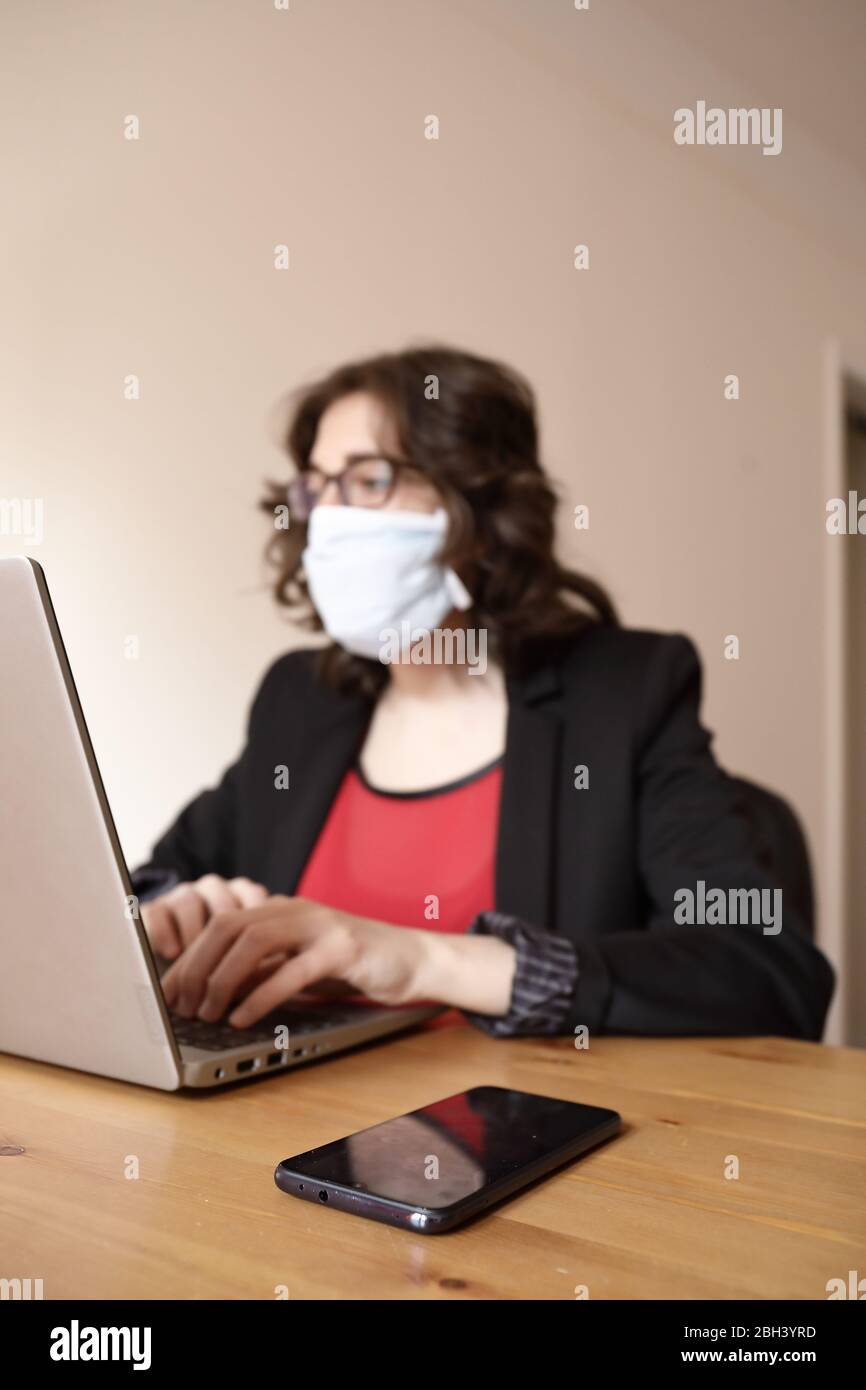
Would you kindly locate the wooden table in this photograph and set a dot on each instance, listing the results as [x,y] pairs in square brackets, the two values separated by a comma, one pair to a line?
[650,1215]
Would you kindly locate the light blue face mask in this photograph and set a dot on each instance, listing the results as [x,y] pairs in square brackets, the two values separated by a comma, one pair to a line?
[372,572]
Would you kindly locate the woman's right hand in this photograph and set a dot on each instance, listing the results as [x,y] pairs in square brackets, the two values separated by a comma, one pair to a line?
[174,919]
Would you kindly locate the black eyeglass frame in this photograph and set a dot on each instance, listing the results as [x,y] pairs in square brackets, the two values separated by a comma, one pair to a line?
[297,496]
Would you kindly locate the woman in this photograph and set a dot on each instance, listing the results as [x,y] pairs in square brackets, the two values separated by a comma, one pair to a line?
[484,792]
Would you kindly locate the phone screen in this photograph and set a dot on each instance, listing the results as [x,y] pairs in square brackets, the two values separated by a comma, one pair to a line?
[453,1149]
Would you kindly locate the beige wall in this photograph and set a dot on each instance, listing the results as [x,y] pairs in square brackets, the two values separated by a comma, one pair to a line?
[261,127]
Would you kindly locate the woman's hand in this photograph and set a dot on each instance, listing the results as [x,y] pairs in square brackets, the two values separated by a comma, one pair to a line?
[303,943]
[296,943]
[174,920]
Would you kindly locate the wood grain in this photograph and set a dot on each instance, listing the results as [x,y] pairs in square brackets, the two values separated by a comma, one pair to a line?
[649,1215]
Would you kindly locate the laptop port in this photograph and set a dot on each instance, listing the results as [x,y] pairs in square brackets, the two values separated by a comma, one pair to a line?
[220,1073]
[247,1065]
[323,1196]
[274,1058]
[299,1052]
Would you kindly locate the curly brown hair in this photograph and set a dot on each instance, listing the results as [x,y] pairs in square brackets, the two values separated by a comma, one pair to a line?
[474,435]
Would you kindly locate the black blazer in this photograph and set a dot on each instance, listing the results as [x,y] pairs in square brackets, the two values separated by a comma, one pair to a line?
[600,865]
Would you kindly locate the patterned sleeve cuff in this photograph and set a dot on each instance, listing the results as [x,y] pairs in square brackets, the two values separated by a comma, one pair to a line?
[545,977]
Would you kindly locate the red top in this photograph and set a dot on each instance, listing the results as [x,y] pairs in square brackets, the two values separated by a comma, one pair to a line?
[414,859]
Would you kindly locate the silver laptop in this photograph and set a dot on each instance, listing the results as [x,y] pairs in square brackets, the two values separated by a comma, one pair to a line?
[79,984]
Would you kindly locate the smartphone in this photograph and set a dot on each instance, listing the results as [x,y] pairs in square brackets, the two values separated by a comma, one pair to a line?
[436,1167]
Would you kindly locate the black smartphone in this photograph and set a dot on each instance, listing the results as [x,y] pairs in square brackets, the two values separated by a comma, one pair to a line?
[436,1167]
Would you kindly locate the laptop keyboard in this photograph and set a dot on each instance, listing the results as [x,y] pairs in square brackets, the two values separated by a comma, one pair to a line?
[217,1036]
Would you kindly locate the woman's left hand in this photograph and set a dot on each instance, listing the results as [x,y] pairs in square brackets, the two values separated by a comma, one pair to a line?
[257,958]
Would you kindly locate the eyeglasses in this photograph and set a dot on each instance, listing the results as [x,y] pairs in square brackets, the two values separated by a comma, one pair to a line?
[365,482]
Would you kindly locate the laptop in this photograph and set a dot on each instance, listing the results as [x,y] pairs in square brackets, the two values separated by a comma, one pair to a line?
[79,983]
